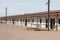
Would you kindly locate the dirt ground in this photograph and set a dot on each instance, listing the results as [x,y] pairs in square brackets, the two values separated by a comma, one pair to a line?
[12,32]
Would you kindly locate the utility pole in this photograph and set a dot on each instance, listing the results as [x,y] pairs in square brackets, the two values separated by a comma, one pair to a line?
[37,21]
[57,22]
[6,15]
[48,12]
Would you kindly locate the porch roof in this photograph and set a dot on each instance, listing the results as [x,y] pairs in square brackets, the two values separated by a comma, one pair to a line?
[25,15]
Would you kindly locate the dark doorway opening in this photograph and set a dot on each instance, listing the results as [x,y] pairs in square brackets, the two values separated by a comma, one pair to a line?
[52,23]
[46,23]
[25,22]
[13,21]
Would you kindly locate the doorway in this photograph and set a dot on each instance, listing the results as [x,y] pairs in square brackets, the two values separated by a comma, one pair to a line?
[25,22]
[52,23]
[46,23]
[13,21]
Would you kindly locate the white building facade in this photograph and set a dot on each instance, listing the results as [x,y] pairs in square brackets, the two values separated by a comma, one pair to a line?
[35,20]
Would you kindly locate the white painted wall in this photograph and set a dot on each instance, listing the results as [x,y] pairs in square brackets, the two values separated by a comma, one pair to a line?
[34,24]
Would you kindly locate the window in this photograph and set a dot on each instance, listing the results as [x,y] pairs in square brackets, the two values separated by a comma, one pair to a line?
[46,23]
[10,19]
[28,20]
[32,20]
[20,20]
[46,20]
[59,21]
[40,20]
[23,20]
[17,20]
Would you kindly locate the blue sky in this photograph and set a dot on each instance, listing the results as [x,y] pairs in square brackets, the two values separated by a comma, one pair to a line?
[16,7]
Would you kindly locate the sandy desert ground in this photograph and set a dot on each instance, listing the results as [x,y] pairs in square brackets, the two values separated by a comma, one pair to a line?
[13,32]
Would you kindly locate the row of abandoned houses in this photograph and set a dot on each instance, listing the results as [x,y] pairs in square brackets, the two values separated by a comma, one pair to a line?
[36,20]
